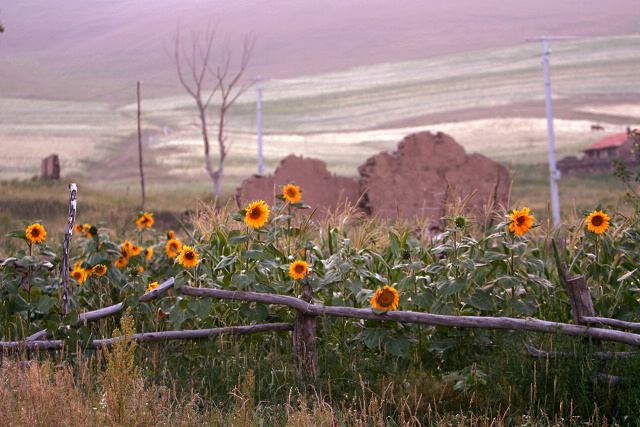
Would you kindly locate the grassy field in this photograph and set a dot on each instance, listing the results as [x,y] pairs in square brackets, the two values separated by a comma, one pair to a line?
[490,101]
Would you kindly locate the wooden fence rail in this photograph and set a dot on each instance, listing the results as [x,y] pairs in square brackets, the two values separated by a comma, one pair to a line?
[527,324]
[154,336]
[307,311]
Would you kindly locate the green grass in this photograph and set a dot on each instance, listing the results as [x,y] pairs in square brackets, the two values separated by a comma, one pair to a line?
[490,101]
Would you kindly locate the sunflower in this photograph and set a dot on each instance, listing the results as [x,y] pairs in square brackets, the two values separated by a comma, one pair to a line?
[188,257]
[140,269]
[146,220]
[292,193]
[127,247]
[135,250]
[160,314]
[171,235]
[257,214]
[77,228]
[173,247]
[79,274]
[298,269]
[521,221]
[385,299]
[100,270]
[152,286]
[148,253]
[36,233]
[87,229]
[598,222]
[121,262]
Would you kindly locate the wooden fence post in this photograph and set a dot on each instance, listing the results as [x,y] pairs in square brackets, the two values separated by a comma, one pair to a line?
[579,297]
[66,245]
[304,343]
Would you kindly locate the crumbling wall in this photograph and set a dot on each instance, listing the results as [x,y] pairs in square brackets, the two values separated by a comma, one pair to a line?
[414,180]
[320,188]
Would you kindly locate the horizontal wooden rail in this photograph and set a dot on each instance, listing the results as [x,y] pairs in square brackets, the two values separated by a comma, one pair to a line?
[612,322]
[101,313]
[527,324]
[155,336]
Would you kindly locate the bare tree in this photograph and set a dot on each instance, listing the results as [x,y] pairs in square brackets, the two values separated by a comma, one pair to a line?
[204,80]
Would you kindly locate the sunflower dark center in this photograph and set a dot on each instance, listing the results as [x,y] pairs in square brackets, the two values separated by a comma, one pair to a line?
[597,220]
[385,299]
[255,213]
[35,232]
[520,220]
[299,268]
[189,255]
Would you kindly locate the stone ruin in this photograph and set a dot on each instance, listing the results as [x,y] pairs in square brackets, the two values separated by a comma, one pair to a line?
[320,188]
[50,167]
[415,180]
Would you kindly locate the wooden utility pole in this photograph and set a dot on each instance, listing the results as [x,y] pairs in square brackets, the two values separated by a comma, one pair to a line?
[140,147]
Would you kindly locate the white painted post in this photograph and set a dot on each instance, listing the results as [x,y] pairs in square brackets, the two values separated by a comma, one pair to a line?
[261,166]
[554,173]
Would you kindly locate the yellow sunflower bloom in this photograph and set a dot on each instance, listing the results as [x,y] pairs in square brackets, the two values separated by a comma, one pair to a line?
[521,221]
[146,220]
[121,262]
[292,193]
[135,250]
[77,228]
[100,270]
[36,233]
[385,299]
[598,222]
[173,247]
[171,235]
[79,274]
[152,286]
[188,257]
[298,269]
[148,253]
[257,214]
[86,228]
[127,247]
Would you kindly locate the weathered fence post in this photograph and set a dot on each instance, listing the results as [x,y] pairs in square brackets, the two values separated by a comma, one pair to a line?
[304,342]
[579,297]
[66,245]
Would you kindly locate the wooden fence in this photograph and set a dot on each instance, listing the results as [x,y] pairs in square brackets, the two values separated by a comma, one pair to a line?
[586,323]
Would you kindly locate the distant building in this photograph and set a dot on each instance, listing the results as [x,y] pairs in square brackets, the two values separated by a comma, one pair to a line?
[599,157]
[614,146]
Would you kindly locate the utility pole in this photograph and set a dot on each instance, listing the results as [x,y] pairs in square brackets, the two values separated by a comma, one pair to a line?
[261,166]
[140,146]
[554,173]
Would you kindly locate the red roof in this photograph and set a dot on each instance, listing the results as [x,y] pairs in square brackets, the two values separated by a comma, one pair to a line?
[615,140]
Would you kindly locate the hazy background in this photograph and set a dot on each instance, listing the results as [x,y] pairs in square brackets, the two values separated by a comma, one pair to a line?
[343,80]
[85,46]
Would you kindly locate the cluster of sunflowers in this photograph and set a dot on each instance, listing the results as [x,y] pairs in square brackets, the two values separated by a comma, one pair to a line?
[520,222]
[256,216]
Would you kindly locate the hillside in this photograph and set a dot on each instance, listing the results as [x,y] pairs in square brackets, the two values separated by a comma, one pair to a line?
[76,50]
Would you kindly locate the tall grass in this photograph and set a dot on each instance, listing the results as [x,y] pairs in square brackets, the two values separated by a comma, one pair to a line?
[504,387]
